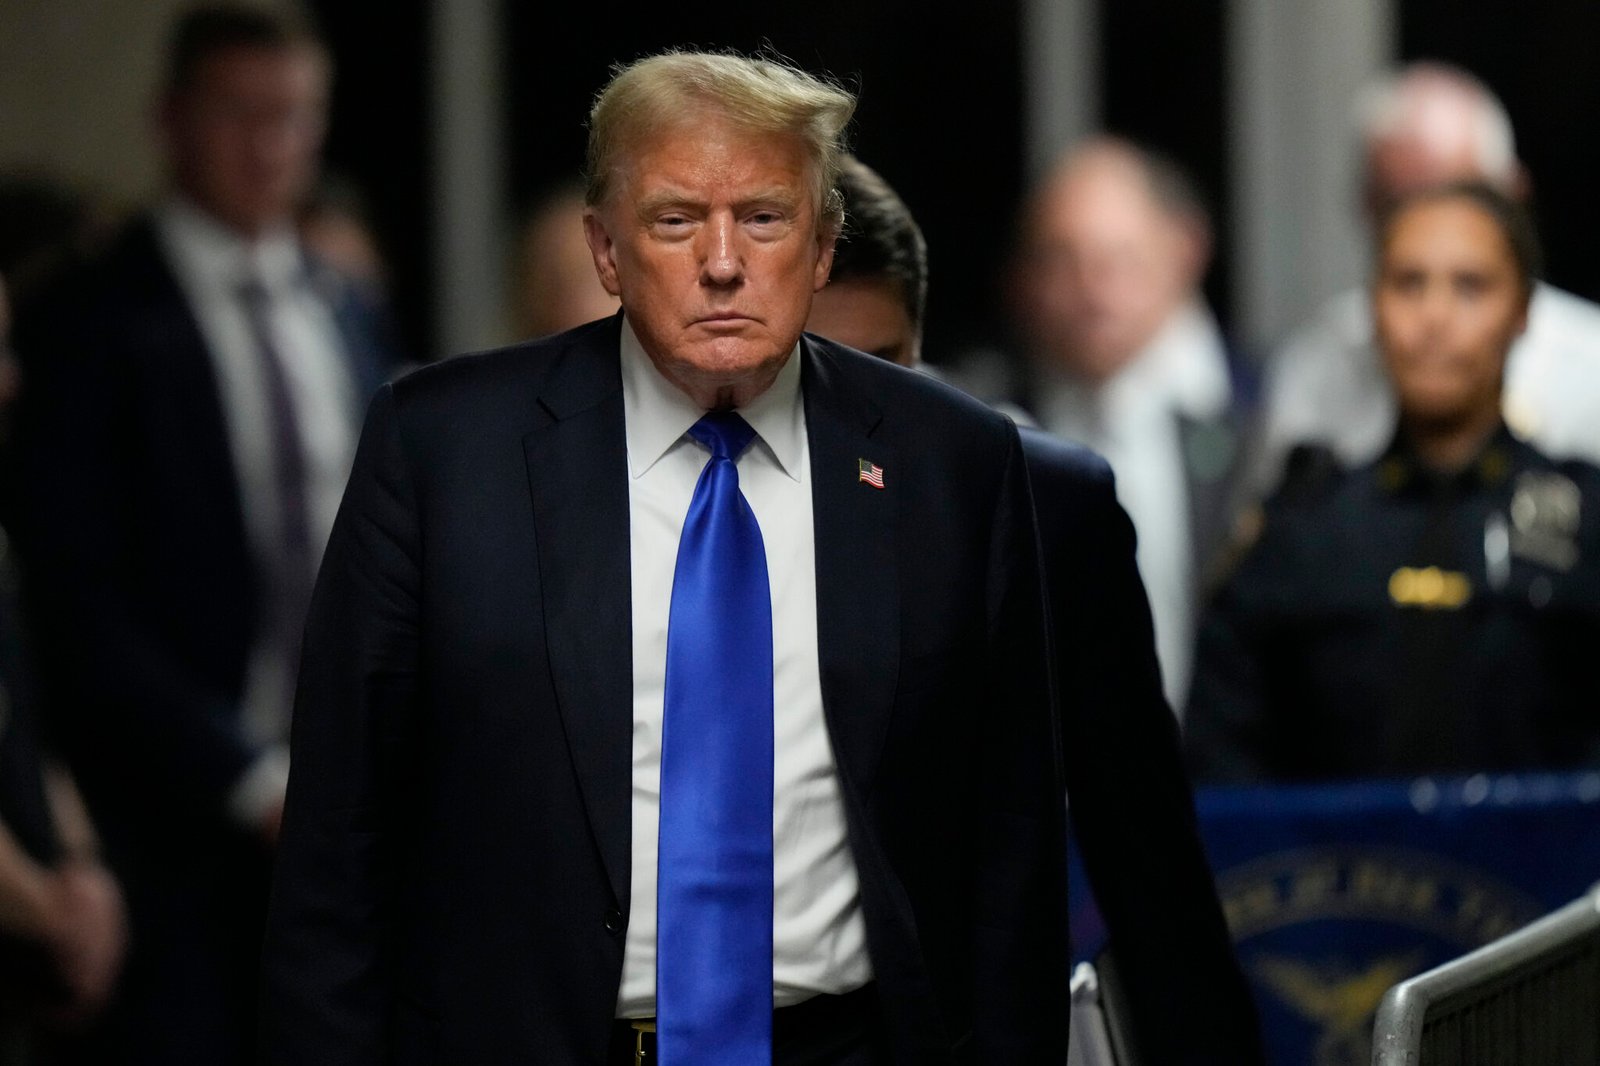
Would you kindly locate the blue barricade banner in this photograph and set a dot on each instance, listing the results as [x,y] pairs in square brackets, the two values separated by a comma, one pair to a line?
[1334,893]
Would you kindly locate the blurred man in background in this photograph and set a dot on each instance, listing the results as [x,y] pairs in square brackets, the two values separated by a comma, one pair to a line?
[188,426]
[1130,804]
[878,287]
[1125,356]
[1428,125]
[555,284]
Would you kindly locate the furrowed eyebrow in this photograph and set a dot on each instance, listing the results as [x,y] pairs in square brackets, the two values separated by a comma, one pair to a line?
[776,197]
[666,201]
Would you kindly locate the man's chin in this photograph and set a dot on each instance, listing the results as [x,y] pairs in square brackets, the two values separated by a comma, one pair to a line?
[741,370]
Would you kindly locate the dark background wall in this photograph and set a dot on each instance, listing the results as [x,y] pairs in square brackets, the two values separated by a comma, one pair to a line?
[941,112]
[1540,57]
[1162,85]
[378,138]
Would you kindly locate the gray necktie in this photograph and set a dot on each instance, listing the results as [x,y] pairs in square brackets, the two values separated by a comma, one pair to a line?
[289,589]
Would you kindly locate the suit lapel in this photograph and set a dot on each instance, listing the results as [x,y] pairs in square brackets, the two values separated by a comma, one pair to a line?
[858,591]
[578,475]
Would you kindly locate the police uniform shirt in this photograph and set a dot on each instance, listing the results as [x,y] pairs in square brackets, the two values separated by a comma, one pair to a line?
[1393,620]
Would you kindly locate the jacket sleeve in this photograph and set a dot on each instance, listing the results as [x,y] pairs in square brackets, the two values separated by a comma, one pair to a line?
[1021,953]
[326,979]
[1129,798]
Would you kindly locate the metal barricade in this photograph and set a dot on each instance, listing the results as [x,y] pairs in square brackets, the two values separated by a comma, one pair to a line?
[1531,997]
[1099,1035]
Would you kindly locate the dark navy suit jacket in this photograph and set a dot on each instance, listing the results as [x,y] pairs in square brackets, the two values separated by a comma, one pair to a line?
[453,881]
[1132,812]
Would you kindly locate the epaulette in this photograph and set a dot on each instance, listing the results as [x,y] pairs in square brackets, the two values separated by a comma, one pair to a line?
[1310,471]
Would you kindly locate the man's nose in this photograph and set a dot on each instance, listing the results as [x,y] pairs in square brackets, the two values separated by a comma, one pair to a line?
[1438,307]
[722,261]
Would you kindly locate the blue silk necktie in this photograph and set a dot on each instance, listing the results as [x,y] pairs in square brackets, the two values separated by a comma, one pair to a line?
[714,865]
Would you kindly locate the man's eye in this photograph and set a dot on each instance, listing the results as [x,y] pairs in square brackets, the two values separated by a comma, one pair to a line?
[1408,283]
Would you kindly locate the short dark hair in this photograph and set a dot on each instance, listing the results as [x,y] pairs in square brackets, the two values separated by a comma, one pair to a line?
[207,29]
[881,240]
[1509,216]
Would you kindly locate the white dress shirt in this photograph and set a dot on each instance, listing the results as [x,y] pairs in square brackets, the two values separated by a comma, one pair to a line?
[1133,421]
[1328,384]
[212,264]
[819,940]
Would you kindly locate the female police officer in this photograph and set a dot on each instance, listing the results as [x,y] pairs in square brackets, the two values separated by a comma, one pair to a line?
[1435,611]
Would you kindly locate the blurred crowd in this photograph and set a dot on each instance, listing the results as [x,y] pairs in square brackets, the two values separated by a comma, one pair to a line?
[1374,551]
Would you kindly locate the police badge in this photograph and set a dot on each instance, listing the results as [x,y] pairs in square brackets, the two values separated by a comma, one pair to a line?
[1545,511]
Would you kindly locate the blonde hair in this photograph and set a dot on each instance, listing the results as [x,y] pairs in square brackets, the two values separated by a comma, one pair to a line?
[761,95]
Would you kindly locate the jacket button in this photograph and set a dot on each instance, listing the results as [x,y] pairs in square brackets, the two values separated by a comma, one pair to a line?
[613,921]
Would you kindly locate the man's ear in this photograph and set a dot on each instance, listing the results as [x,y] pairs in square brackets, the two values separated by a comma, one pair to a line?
[603,250]
[827,238]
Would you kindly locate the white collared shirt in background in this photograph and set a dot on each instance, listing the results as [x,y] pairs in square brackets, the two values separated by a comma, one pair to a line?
[819,939]
[1133,421]
[212,263]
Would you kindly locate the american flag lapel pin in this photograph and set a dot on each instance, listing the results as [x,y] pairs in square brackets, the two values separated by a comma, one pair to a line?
[871,473]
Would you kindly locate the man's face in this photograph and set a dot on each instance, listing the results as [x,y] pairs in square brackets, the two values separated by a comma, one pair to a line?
[1447,305]
[868,314]
[243,136]
[710,238]
[1104,269]
[559,287]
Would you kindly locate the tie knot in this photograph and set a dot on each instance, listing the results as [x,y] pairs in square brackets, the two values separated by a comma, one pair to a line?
[726,433]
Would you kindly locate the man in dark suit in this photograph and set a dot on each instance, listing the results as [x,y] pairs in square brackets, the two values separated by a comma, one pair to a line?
[191,408]
[492,713]
[1185,997]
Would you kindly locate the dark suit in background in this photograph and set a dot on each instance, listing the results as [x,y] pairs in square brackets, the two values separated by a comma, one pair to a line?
[453,882]
[146,596]
[1132,812]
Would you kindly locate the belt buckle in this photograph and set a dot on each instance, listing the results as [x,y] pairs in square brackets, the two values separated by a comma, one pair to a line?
[640,1027]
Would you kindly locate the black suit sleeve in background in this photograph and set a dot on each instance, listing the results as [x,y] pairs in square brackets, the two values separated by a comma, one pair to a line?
[1130,802]
[326,995]
[136,720]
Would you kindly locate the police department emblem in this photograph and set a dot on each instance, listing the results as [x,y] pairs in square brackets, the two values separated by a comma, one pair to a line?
[1546,509]
[1324,933]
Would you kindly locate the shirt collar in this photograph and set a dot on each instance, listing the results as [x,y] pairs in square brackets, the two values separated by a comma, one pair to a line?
[219,256]
[658,414]
[1400,469]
